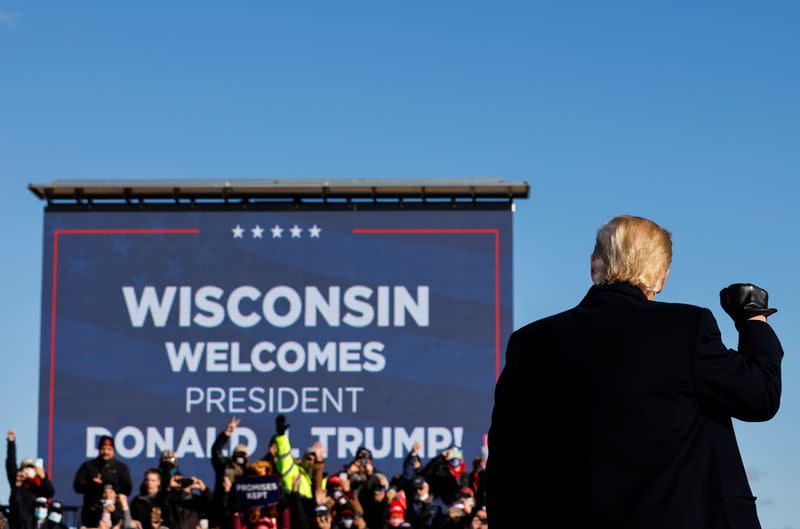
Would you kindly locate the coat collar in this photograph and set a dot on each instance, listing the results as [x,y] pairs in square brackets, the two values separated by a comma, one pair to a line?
[621,291]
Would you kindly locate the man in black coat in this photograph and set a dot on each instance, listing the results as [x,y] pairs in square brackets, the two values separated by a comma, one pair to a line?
[630,402]
[94,474]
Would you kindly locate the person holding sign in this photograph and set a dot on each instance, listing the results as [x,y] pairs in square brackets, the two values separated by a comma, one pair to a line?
[631,400]
[258,498]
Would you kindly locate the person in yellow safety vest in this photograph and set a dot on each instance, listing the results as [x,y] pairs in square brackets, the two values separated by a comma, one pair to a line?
[303,477]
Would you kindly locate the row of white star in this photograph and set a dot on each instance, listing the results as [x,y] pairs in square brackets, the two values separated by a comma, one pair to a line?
[277,232]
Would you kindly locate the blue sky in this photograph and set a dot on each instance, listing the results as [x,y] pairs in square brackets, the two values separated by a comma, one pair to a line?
[686,114]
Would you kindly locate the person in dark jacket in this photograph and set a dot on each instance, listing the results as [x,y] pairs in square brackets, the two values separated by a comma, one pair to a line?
[412,467]
[373,499]
[102,470]
[226,470]
[168,467]
[27,483]
[631,401]
[186,507]
[446,474]
[149,507]
[425,511]
[40,508]
[55,516]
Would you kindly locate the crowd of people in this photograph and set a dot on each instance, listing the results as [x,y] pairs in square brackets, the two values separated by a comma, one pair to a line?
[440,494]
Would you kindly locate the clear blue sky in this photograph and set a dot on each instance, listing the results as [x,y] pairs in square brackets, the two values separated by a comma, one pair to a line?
[689,115]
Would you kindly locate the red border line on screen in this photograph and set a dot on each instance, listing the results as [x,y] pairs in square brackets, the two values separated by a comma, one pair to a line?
[491,231]
[54,289]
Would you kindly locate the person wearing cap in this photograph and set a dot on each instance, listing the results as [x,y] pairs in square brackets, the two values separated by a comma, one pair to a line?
[27,483]
[104,469]
[397,514]
[40,508]
[344,517]
[424,509]
[631,400]
[412,467]
[55,516]
[446,473]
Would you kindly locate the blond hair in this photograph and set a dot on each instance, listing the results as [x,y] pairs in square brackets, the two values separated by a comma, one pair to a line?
[632,250]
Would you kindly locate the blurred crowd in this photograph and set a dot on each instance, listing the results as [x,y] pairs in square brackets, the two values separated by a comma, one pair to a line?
[442,493]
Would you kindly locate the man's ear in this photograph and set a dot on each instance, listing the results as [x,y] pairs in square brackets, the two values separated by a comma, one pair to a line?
[664,279]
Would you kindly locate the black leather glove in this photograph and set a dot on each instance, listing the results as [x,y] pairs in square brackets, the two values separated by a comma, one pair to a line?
[280,425]
[742,301]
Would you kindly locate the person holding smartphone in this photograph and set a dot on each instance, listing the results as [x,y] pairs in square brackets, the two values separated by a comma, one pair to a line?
[189,500]
[27,482]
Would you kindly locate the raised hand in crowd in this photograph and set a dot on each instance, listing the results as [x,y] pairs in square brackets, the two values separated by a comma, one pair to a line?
[232,426]
[320,453]
[12,436]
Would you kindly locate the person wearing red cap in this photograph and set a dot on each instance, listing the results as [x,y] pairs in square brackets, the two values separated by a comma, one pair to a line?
[397,515]
[103,470]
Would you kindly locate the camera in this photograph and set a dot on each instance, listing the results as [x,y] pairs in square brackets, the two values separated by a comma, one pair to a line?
[186,482]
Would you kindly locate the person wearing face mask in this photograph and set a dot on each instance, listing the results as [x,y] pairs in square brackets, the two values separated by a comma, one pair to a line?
[108,512]
[446,473]
[425,511]
[335,489]
[26,483]
[345,518]
[55,516]
[94,474]
[40,508]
